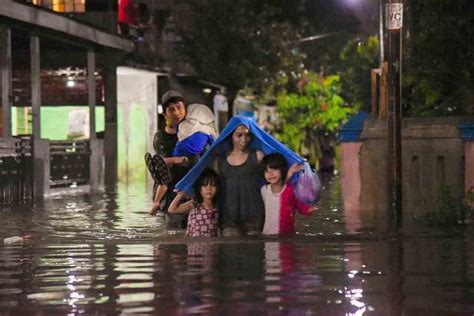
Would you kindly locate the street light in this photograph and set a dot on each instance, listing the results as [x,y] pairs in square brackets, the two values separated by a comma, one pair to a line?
[315,37]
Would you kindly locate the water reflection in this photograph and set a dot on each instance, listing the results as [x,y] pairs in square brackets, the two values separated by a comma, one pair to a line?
[239,277]
[104,255]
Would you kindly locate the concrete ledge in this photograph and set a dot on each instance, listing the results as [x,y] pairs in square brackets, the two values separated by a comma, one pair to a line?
[79,190]
[416,128]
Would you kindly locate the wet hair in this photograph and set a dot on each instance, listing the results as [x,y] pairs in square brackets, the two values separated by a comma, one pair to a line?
[208,176]
[275,161]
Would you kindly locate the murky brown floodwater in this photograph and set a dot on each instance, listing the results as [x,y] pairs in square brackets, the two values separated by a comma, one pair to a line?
[104,255]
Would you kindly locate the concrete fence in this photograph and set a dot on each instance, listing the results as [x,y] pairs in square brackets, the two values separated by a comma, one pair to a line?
[436,153]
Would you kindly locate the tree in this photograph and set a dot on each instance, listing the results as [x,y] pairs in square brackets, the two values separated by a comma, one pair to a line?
[438,74]
[240,42]
[315,111]
[358,57]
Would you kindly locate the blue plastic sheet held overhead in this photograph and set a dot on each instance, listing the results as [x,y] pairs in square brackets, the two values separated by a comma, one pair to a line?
[260,140]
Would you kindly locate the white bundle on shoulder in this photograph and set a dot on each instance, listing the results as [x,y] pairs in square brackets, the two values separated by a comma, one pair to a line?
[199,118]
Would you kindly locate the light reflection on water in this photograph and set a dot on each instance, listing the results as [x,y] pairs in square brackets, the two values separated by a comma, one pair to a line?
[104,255]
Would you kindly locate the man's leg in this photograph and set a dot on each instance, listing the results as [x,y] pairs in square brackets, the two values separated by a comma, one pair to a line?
[160,193]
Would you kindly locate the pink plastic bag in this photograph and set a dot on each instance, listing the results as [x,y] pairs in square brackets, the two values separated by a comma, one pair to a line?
[308,185]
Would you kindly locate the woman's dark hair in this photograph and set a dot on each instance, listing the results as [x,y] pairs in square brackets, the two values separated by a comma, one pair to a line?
[275,161]
[208,176]
[228,139]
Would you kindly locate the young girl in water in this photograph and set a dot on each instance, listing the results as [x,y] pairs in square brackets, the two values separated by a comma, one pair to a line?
[279,198]
[203,217]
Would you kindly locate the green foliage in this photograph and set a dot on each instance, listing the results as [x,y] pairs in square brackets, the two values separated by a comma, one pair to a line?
[359,57]
[241,43]
[316,110]
[450,210]
[438,61]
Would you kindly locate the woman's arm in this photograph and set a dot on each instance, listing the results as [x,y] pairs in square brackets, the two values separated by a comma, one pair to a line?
[176,207]
[260,155]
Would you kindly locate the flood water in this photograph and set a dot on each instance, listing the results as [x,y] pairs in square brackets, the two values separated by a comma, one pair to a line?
[104,255]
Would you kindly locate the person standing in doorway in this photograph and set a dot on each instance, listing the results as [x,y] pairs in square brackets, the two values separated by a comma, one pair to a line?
[221,109]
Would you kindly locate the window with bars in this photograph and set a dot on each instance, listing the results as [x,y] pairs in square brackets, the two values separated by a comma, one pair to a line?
[62,5]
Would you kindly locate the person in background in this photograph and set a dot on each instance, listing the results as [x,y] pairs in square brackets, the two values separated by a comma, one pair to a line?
[242,106]
[221,109]
[128,15]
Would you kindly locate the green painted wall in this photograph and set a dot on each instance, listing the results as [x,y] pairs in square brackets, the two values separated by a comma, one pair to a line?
[131,140]
[54,121]
[131,143]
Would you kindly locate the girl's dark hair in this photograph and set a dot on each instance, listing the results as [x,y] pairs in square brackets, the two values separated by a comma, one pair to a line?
[208,176]
[275,161]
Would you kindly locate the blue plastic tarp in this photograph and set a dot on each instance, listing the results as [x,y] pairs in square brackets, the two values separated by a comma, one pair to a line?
[260,140]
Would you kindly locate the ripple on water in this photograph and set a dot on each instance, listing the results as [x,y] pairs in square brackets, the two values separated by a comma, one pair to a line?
[105,255]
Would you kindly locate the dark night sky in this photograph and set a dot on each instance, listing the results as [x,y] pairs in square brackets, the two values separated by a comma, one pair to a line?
[347,15]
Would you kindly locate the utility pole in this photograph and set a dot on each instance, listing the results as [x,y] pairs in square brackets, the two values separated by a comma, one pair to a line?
[381,35]
[394,24]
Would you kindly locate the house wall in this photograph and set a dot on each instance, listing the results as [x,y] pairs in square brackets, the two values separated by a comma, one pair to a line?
[137,116]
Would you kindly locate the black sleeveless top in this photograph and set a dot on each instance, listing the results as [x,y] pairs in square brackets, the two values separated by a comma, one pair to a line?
[242,197]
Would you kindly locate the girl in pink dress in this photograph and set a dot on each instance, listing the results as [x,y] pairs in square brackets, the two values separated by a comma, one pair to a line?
[203,214]
[279,198]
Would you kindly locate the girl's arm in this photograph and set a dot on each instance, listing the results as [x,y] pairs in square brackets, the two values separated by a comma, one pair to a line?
[303,208]
[176,207]
[294,169]
[260,155]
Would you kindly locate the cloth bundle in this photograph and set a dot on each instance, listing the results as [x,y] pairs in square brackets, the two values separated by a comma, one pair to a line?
[196,131]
